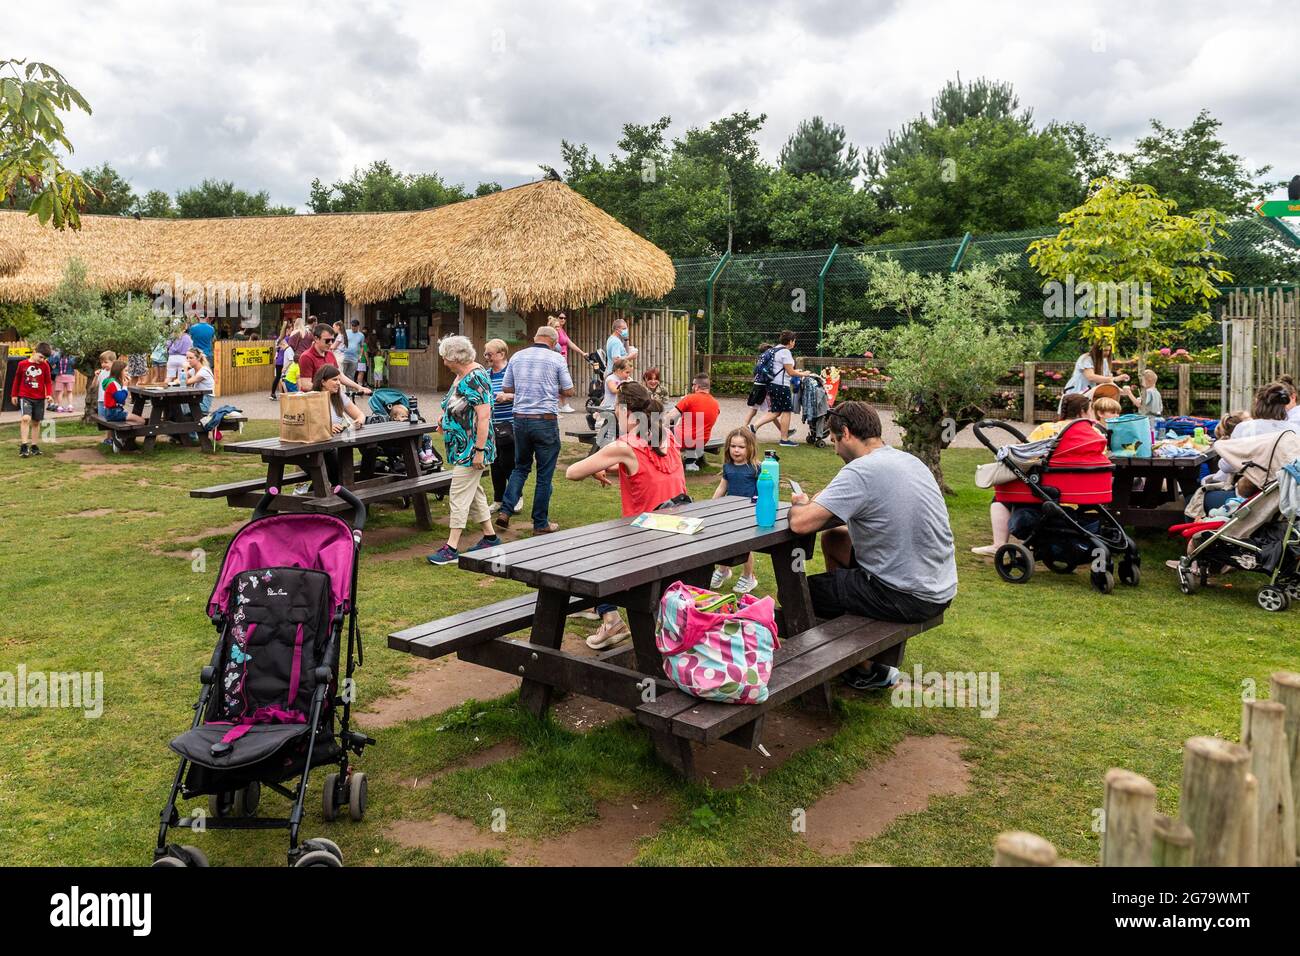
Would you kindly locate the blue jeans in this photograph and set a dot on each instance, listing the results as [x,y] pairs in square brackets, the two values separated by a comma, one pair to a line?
[539,439]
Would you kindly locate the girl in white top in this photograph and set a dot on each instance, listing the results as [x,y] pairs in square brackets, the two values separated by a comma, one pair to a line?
[1268,414]
[1091,369]
[343,412]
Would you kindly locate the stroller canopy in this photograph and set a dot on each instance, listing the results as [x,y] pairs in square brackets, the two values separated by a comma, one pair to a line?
[1075,464]
[315,542]
[382,401]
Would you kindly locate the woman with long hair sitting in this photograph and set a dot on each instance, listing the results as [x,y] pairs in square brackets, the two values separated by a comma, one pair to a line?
[650,475]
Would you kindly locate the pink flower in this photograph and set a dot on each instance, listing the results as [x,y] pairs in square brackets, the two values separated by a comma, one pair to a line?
[1165,351]
[1181,352]
[867,355]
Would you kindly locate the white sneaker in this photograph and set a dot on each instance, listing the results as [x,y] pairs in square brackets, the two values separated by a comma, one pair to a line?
[519,508]
[302,489]
[567,410]
[745,584]
[720,577]
[691,466]
[609,634]
[494,507]
[987,550]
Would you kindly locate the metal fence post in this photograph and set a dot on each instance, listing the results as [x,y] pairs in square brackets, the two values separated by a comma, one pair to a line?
[961,252]
[821,295]
[708,301]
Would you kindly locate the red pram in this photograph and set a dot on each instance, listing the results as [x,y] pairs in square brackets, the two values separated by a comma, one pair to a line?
[1075,464]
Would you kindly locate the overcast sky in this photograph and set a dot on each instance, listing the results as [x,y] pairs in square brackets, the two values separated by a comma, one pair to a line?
[274,95]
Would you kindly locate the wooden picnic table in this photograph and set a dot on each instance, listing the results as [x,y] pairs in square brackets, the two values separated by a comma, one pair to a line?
[310,459]
[1167,485]
[616,563]
[172,411]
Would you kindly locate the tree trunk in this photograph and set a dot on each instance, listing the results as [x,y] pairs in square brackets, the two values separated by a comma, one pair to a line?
[92,400]
[923,436]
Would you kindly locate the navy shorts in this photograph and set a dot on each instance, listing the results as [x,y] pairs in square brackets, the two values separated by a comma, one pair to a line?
[780,399]
[757,395]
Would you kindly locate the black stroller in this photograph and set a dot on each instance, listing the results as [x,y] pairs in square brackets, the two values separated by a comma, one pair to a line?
[389,458]
[598,365]
[1070,469]
[271,694]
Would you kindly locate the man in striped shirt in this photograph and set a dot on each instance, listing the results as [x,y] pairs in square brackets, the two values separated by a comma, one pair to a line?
[537,377]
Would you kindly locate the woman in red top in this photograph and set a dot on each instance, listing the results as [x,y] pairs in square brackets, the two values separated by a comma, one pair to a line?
[650,476]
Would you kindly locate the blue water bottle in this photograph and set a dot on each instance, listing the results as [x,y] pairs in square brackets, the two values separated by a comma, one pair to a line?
[772,465]
[765,508]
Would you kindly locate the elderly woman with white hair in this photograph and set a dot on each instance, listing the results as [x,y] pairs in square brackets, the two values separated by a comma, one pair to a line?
[471,447]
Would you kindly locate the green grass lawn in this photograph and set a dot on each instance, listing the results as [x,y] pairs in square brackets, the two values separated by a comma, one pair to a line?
[1087,682]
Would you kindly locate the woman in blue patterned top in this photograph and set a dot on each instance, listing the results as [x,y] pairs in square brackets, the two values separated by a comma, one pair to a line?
[503,420]
[467,436]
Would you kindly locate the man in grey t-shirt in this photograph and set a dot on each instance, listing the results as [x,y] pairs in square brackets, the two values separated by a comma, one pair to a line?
[893,560]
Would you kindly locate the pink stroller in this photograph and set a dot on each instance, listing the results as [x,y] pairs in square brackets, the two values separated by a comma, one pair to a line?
[271,693]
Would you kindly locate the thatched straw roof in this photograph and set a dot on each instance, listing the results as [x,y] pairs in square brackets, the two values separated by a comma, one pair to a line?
[542,244]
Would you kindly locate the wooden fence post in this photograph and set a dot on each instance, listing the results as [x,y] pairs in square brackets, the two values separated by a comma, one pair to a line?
[1184,389]
[1031,373]
[1284,687]
[1017,848]
[1172,843]
[1129,812]
[1213,789]
[1263,731]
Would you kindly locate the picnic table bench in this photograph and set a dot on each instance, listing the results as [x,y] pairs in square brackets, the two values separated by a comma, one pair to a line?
[307,461]
[617,563]
[588,437]
[172,411]
[1167,484]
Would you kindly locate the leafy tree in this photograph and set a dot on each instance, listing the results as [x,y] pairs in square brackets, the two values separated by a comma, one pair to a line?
[23,318]
[1093,158]
[812,212]
[486,189]
[155,204]
[1125,234]
[1193,167]
[983,175]
[217,198]
[822,149]
[945,359]
[729,147]
[32,95]
[82,325]
[380,188]
[110,194]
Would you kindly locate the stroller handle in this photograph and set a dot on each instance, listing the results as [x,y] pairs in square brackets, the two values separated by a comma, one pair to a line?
[979,427]
[358,508]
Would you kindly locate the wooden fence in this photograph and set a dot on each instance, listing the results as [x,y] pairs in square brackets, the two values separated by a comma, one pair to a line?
[1186,389]
[664,340]
[1263,332]
[242,365]
[1237,805]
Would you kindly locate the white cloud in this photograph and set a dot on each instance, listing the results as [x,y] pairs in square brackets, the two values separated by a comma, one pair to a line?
[272,96]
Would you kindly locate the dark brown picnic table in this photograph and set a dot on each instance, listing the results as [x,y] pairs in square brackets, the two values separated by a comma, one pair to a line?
[172,411]
[310,459]
[1167,484]
[616,563]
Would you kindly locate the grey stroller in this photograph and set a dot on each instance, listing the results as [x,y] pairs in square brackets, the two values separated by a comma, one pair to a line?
[813,409]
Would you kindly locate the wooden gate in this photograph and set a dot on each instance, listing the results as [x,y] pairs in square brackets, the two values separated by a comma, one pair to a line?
[1263,330]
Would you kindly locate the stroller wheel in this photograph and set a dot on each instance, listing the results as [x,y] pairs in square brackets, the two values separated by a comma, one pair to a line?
[320,843]
[318,858]
[329,808]
[1272,598]
[221,804]
[821,443]
[357,795]
[196,856]
[168,861]
[1130,573]
[1103,581]
[1014,562]
[1189,582]
[246,800]
[1293,591]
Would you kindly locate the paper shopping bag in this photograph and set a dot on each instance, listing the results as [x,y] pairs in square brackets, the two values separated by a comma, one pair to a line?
[305,417]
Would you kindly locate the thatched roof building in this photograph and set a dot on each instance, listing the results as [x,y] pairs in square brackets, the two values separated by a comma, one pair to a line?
[541,245]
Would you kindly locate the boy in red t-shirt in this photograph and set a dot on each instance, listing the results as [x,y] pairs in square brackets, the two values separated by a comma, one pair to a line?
[32,388]
[697,414]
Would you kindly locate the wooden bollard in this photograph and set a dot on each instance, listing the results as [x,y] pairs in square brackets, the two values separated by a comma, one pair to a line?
[1129,813]
[1263,731]
[1171,843]
[1284,688]
[1248,851]
[1017,848]
[1214,785]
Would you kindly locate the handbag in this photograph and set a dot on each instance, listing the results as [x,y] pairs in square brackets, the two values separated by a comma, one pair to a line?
[717,647]
[305,417]
[993,473]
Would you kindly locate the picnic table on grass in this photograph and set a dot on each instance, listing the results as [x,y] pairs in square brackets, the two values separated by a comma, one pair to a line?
[617,563]
[1167,484]
[172,411]
[290,463]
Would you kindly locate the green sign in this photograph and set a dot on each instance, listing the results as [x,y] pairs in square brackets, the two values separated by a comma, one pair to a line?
[1279,208]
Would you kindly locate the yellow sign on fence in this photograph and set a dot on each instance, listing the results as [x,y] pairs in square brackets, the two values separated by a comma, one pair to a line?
[399,359]
[20,351]
[249,355]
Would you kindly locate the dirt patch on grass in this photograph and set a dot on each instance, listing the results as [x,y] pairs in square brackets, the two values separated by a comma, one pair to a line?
[786,731]
[81,456]
[920,768]
[497,753]
[416,549]
[208,533]
[611,841]
[434,687]
[93,513]
[584,714]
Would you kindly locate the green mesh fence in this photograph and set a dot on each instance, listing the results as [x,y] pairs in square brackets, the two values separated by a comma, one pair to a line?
[757,295]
